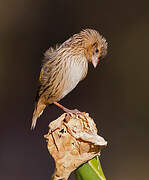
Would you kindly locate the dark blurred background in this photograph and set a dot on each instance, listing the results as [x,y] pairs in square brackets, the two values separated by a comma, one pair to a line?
[116,94]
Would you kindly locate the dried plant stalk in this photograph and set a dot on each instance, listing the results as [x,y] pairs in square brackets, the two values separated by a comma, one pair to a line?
[72,141]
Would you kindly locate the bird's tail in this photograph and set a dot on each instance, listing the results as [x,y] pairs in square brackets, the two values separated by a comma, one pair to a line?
[39,107]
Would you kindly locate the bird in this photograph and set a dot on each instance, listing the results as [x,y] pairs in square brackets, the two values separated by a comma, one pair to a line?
[64,66]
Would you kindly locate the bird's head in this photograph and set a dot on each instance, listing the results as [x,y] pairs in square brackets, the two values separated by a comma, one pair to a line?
[88,43]
[95,46]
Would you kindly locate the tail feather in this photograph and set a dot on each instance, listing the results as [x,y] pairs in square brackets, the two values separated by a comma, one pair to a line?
[39,108]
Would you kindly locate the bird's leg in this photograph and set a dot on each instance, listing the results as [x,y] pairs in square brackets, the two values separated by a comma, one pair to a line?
[74,111]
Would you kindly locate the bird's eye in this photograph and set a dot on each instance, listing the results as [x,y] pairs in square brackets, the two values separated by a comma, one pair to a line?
[97,50]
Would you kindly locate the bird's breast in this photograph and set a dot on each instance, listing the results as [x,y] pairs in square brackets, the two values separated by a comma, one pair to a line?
[75,72]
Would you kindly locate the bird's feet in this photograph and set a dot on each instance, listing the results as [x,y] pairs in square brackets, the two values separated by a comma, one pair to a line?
[70,111]
[73,111]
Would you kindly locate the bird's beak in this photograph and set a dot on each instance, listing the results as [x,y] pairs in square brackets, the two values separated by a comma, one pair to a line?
[95,61]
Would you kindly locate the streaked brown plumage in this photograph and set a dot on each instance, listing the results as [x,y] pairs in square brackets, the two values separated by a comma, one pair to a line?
[65,66]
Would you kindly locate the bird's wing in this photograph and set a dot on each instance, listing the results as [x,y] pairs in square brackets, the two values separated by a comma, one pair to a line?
[44,82]
[47,72]
[48,52]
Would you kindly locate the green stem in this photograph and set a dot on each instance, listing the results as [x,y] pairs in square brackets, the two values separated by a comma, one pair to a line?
[90,171]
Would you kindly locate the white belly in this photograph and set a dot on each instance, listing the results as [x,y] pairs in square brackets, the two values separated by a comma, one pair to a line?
[74,75]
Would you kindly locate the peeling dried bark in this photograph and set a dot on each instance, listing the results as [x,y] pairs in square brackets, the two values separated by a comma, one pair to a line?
[72,141]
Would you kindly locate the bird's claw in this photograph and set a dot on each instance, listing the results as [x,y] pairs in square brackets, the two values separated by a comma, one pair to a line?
[75,112]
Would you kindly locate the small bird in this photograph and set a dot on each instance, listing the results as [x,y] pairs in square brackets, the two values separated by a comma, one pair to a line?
[65,66]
